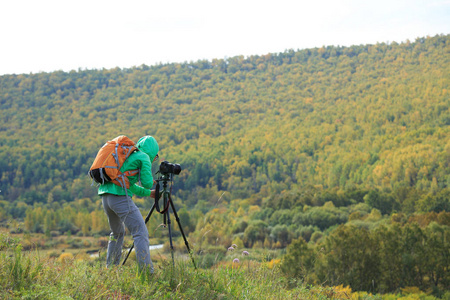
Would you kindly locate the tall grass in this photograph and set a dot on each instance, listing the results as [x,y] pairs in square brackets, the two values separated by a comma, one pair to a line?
[25,275]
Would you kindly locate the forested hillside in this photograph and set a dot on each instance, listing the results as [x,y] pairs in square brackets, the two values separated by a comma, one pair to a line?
[370,116]
[276,149]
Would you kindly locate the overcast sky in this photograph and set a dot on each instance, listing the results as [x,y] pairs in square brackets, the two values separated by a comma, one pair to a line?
[48,35]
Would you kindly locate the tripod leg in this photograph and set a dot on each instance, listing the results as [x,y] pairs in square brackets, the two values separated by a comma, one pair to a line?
[149,214]
[167,217]
[170,238]
[181,230]
[132,246]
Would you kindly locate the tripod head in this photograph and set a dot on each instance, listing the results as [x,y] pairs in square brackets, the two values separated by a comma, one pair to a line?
[164,178]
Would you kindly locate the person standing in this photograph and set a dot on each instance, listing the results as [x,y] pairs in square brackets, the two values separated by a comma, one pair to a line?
[122,211]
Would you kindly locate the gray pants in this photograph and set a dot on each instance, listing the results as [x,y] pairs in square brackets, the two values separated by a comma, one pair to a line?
[121,211]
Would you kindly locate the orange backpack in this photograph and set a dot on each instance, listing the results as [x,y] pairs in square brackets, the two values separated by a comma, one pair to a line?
[109,160]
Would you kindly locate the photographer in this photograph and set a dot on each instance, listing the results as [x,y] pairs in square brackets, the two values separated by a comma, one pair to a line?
[121,210]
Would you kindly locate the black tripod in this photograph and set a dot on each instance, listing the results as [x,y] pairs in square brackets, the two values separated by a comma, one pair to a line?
[167,201]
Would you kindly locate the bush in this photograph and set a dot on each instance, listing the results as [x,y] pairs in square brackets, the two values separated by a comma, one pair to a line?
[299,260]
[53,254]
[75,243]
[65,258]
[210,256]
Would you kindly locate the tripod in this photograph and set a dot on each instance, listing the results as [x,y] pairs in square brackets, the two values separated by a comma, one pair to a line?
[167,201]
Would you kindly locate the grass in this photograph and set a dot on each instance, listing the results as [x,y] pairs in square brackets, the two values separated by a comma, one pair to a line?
[29,275]
[32,275]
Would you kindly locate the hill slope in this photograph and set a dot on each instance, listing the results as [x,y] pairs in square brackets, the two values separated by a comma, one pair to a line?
[369,116]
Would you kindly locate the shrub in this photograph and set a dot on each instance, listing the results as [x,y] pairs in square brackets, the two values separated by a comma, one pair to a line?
[65,258]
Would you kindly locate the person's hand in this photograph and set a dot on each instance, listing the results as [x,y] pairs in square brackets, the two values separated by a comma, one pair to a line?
[152,194]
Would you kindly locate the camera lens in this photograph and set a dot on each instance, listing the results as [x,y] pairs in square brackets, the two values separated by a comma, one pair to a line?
[176,169]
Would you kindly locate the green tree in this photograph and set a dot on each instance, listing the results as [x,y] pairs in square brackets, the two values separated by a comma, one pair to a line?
[255,231]
[299,261]
[281,233]
[350,257]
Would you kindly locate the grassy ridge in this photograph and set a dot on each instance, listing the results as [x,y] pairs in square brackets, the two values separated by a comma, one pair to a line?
[29,275]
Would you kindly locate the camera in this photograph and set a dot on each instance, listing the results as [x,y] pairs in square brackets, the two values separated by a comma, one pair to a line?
[168,168]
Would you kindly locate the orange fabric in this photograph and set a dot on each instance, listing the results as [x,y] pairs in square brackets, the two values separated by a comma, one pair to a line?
[106,158]
[125,177]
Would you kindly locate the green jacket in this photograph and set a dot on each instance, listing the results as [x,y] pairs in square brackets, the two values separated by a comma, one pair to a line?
[142,159]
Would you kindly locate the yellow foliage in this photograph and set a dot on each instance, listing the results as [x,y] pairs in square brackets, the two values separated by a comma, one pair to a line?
[378,171]
[328,204]
[65,258]
[374,215]
[273,263]
[342,292]
[411,290]
[238,242]
[356,215]
[337,292]
[254,208]
[82,257]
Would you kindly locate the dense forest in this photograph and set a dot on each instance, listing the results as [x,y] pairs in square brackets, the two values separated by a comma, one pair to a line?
[277,149]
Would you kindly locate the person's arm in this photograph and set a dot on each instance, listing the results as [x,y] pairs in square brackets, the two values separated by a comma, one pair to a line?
[146,173]
[146,180]
[142,192]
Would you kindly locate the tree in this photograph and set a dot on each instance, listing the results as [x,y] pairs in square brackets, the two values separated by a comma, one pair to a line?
[391,264]
[299,261]
[350,257]
[384,203]
[437,256]
[255,231]
[281,233]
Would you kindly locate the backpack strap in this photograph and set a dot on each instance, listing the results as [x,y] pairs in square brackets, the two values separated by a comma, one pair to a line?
[122,178]
[123,181]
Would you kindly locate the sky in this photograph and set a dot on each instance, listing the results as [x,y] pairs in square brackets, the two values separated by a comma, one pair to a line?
[52,35]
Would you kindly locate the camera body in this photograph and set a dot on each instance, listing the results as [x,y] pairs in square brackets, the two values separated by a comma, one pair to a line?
[166,168]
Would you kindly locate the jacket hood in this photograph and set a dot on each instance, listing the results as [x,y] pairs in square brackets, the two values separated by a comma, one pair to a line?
[149,146]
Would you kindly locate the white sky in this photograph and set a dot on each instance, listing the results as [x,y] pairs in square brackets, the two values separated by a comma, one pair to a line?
[48,35]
